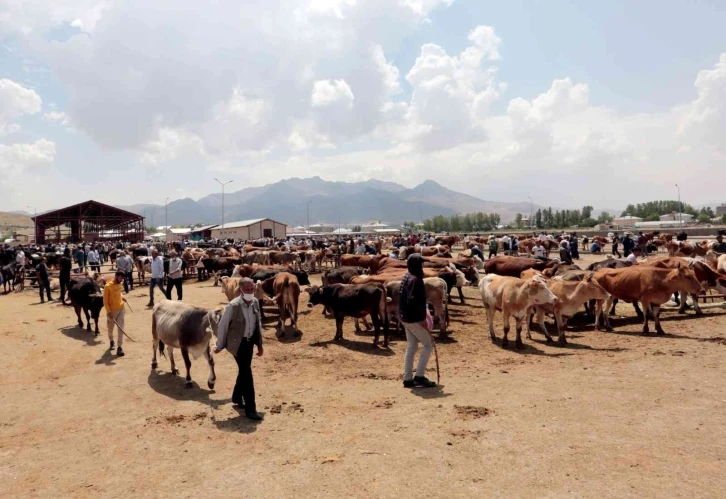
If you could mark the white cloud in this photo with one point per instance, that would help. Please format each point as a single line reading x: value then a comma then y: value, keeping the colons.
x: 327, y: 92
x: 56, y: 117
x: 16, y: 159
x: 15, y: 101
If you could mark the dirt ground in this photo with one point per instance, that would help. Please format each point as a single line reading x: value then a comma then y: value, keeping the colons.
x: 610, y: 415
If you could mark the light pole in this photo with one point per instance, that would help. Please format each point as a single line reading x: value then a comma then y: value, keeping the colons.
x: 530, y: 212
x: 223, y: 184
x: 35, y: 223
x: 680, y: 208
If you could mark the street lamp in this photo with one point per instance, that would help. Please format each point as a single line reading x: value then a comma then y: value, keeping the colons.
x: 680, y: 208
x: 223, y: 184
x: 530, y: 212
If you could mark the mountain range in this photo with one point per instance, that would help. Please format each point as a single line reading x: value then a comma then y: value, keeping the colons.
x: 291, y: 200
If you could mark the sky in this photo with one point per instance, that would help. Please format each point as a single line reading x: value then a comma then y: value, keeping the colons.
x: 570, y: 103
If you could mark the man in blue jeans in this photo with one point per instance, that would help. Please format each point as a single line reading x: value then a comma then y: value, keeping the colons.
x: 157, y: 275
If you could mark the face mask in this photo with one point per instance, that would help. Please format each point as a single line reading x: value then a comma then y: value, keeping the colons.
x: 247, y: 296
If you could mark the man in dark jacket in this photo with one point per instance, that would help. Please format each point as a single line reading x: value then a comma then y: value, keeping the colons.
x: 65, y: 274
x: 43, y: 276
x: 628, y: 245
x: 412, y: 314
x: 239, y: 329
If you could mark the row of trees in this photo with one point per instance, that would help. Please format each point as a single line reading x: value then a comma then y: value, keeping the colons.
x: 560, y: 219
x: 471, y: 222
x: 652, y: 211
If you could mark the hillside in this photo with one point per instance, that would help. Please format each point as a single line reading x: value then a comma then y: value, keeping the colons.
x: 346, y: 203
x: 14, y: 220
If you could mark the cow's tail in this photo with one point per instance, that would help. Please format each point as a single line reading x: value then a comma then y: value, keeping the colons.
x: 382, y: 309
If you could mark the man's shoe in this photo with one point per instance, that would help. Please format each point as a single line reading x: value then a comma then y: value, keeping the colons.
x: 150, y: 304
x: 120, y: 352
x: 113, y: 345
x: 42, y: 301
x: 408, y: 383
x: 254, y: 416
x: 423, y: 382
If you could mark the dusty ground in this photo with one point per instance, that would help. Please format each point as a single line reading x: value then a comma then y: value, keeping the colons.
x: 611, y: 414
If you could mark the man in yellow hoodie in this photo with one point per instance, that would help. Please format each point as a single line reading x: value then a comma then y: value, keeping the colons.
x: 113, y: 302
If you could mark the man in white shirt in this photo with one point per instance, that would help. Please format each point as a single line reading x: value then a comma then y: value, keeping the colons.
x: 360, y: 249
x: 174, y: 279
x: 20, y: 257
x: 125, y: 264
x: 157, y: 275
x: 539, y: 251
x: 92, y: 258
x: 633, y: 257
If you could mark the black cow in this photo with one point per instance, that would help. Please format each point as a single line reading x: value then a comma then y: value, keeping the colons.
x: 353, y: 300
x: 141, y: 252
x: 610, y: 263
x: 264, y: 274
x: 9, y: 274
x: 86, y: 294
x: 341, y: 275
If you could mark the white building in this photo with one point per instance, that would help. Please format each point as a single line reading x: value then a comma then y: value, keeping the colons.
x: 373, y: 226
x: 677, y: 217
x: 320, y: 228
x: 627, y: 221
x: 177, y: 235
x: 342, y: 230
x: 249, y: 230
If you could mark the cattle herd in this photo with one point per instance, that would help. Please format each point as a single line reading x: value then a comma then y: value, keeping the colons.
x: 366, y: 284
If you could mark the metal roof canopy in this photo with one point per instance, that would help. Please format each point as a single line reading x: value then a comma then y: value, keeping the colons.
x: 88, y: 221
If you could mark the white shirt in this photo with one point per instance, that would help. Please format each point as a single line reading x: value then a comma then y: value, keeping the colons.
x: 538, y: 251
x: 157, y: 268
x: 360, y: 250
x: 20, y: 257
x: 175, y: 265
x: 92, y: 256
x: 632, y: 259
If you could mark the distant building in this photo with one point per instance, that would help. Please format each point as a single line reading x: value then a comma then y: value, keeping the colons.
x: 627, y: 221
x: 320, y: 228
x: 721, y: 210
x: 676, y: 217
x: 177, y: 235
x: 248, y: 230
x: 373, y: 226
x: 663, y: 224
x: 204, y: 232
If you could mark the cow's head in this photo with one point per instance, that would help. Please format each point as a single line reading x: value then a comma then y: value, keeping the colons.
x: 95, y: 304
x: 317, y: 295
x: 214, y: 316
x: 690, y: 282
x: 539, y: 293
x: 592, y: 288
x: 472, y: 275
x: 302, y: 277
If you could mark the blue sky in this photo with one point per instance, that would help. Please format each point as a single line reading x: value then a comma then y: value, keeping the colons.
x: 605, y: 103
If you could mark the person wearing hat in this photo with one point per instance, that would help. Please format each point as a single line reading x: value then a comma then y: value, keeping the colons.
x: 720, y: 246
x: 633, y: 256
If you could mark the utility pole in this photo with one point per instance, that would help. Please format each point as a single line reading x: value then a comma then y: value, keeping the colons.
x: 223, y: 184
x: 680, y: 208
x: 530, y: 212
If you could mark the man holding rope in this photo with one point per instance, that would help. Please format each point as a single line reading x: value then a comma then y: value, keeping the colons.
x: 412, y: 313
x: 113, y: 302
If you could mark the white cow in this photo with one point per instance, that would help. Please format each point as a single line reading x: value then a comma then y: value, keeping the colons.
x: 178, y: 325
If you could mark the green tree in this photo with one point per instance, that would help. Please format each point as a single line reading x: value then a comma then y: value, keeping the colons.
x: 704, y: 218
x: 455, y: 223
x: 723, y: 218
x: 538, y: 219
x: 654, y: 217
x: 518, y: 221
x: 587, y: 211
x: 356, y: 228
x: 428, y: 225
x: 604, y: 217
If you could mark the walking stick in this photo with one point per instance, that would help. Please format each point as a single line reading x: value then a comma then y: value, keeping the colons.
x: 129, y: 305
x: 121, y: 329
x: 436, y: 356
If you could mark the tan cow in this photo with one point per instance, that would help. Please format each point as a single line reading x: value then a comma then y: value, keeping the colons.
x: 571, y: 296
x: 651, y: 285
x: 513, y: 296
x: 285, y: 289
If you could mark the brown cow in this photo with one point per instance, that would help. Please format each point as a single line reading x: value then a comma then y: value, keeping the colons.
x: 651, y: 285
x: 513, y: 266
x: 513, y: 297
x: 285, y: 289
x: 571, y: 295
x: 369, y: 262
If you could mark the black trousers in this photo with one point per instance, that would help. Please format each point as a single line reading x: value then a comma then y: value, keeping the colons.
x: 95, y: 267
x: 616, y: 252
x: 244, y: 388
x: 174, y: 283
x: 44, y: 284
x: 492, y: 253
x: 128, y: 281
x: 65, y: 284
